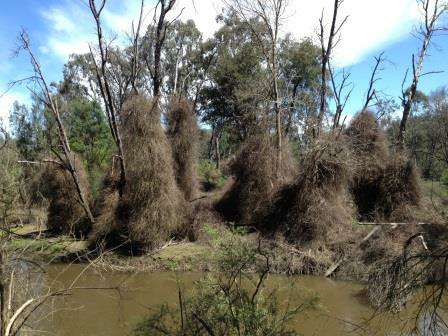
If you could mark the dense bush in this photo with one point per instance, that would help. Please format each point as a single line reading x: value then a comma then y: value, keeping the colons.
x: 258, y: 176
x: 316, y: 206
x: 183, y: 134
x: 65, y: 212
x: 211, y: 176
x: 444, y: 178
x: 9, y: 181
x: 152, y: 209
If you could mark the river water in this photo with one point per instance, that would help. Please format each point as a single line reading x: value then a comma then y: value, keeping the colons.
x: 341, y: 310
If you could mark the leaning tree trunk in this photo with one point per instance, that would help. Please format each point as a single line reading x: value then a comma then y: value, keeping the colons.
x: 432, y: 14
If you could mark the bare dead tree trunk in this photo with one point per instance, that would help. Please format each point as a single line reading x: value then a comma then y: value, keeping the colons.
x: 159, y: 38
x: 68, y: 162
x: 271, y: 13
x: 278, y: 114
x: 3, y: 295
x: 176, y: 74
x: 213, y: 151
x: 105, y: 87
x: 136, y: 49
x: 433, y: 10
x: 326, y: 50
x: 339, y: 96
x: 5, y: 137
x: 371, y: 92
x: 217, y: 152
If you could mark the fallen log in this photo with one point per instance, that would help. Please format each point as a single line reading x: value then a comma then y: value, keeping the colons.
x: 338, y: 263
x: 392, y: 224
x: 378, y: 227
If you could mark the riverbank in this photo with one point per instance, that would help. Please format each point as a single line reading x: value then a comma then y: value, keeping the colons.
x: 185, y: 256
x: 362, y: 248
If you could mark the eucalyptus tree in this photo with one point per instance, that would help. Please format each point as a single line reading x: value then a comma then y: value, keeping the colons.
x: 182, y: 46
x: 299, y: 65
x: 264, y: 19
x: 233, y: 97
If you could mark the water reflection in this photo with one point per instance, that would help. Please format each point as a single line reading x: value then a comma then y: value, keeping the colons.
x: 341, y: 311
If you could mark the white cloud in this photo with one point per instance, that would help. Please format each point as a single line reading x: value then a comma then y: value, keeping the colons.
x: 64, y: 48
x: 203, y: 12
x: 371, y: 24
x: 59, y: 20
x: 70, y: 30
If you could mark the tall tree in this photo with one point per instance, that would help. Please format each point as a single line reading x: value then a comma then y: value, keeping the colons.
x: 66, y: 158
x: 232, y: 95
x: 299, y: 79
x: 271, y: 14
x: 104, y: 78
x: 158, y: 36
x: 88, y: 133
x: 27, y: 126
x: 327, y: 46
x: 433, y: 12
x: 182, y: 48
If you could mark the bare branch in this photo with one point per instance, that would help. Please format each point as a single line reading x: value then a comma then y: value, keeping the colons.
x: 341, y: 98
x: 268, y: 15
x: 427, y: 30
x: 159, y: 37
x: 105, y: 88
x: 51, y: 103
x: 326, y: 52
x: 371, y: 92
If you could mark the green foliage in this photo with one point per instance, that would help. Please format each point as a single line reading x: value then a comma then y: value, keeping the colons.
x: 427, y: 133
x: 211, y: 232
x: 183, y: 57
x: 230, y: 98
x: 88, y: 132
x: 300, y: 63
x: 444, y: 178
x: 211, y: 176
x: 27, y: 127
x: 10, y: 181
x: 230, y: 301
x: 79, y: 78
x: 89, y: 136
x: 300, y: 71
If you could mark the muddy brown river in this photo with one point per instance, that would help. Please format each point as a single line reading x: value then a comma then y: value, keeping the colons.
x: 341, y: 311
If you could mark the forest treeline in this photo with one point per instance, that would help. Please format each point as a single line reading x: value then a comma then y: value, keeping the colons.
x: 243, y: 83
x: 117, y: 144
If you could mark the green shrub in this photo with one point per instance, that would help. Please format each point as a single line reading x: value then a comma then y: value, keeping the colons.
x: 10, y: 180
x: 444, y: 178
x: 211, y: 176
x: 230, y: 301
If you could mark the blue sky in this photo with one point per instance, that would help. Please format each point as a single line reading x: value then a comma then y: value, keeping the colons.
x: 399, y: 59
x: 60, y: 27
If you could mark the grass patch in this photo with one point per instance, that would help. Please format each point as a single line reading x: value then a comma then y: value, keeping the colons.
x: 435, y: 188
x: 185, y: 256
x: 436, y: 191
x: 48, y: 246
